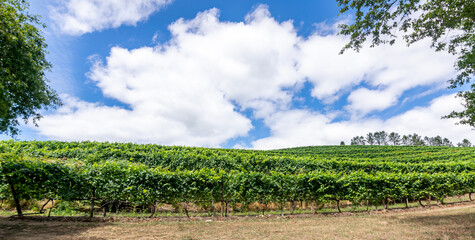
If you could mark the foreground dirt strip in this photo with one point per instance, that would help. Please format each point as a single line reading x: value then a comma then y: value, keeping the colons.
x: 446, y: 222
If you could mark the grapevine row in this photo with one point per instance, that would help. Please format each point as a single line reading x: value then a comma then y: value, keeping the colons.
x: 181, y: 158
x: 26, y: 179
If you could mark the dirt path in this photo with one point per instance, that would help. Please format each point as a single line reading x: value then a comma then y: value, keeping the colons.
x: 448, y: 222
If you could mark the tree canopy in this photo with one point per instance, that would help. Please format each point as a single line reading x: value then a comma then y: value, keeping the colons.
x: 448, y: 23
x: 24, y: 89
x: 393, y: 138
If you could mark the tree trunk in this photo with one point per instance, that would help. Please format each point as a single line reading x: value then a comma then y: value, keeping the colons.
x: 15, y: 197
x: 117, y: 209
x: 222, y: 199
x: 226, y: 209
x: 104, y: 208
x: 212, y: 208
x: 292, y: 207
x: 186, y: 210
x: 153, y: 210
x: 114, y: 206
x: 385, y: 203
x: 91, y: 214
x: 407, y: 202
x: 222, y: 208
x: 420, y: 203
x: 52, y: 205
x: 367, y: 205
x: 282, y: 208
x: 470, y: 196
x: 105, y: 212
x: 44, y: 205
x: 338, y: 205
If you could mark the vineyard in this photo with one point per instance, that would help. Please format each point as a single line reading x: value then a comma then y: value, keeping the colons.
x: 105, y: 174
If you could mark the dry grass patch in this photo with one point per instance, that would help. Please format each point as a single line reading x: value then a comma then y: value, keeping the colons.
x: 456, y: 222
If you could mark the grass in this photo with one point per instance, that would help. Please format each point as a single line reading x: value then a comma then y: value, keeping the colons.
x: 444, y: 222
x: 72, y: 209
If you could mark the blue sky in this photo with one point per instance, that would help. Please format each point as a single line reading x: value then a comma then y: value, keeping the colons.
x: 245, y: 74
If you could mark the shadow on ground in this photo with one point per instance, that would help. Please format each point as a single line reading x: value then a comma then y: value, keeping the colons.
x: 46, y: 228
x: 457, y: 225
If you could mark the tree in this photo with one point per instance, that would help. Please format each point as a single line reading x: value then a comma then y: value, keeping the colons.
x: 416, y: 140
x: 447, y: 142
x: 449, y: 24
x: 362, y: 140
x: 464, y: 143
x: 358, y: 140
x: 406, y: 140
x: 466, y: 116
x: 383, y: 137
x: 377, y: 138
x: 434, y: 141
x: 370, y: 138
x: 23, y: 86
x: 394, y: 138
x: 428, y: 141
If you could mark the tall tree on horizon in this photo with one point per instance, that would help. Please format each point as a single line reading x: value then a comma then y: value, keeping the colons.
x: 370, y: 139
x: 394, y: 138
x: 464, y: 143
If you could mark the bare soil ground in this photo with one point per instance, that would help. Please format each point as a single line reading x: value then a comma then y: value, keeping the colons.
x: 456, y: 221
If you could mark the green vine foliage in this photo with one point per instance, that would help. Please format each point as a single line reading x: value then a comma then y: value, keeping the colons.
x: 227, y: 176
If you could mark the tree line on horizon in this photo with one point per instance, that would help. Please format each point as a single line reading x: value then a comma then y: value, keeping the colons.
x: 396, y: 139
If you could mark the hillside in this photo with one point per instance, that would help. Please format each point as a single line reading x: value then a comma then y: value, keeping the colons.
x: 145, y: 175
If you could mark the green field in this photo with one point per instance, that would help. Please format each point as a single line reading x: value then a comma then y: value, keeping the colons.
x: 107, y: 175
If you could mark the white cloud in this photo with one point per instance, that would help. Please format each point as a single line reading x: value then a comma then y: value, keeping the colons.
x: 181, y: 123
x: 304, y: 128
x: 181, y: 92
x: 389, y: 69
x: 188, y: 91
x: 77, y: 17
x: 328, y: 71
x: 363, y: 100
x: 244, y: 60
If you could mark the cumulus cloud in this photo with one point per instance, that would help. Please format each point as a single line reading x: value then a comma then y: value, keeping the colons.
x: 182, y: 92
x: 363, y: 100
x: 76, y: 17
x: 193, y: 89
x: 387, y: 70
x: 305, y: 128
x: 181, y: 123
